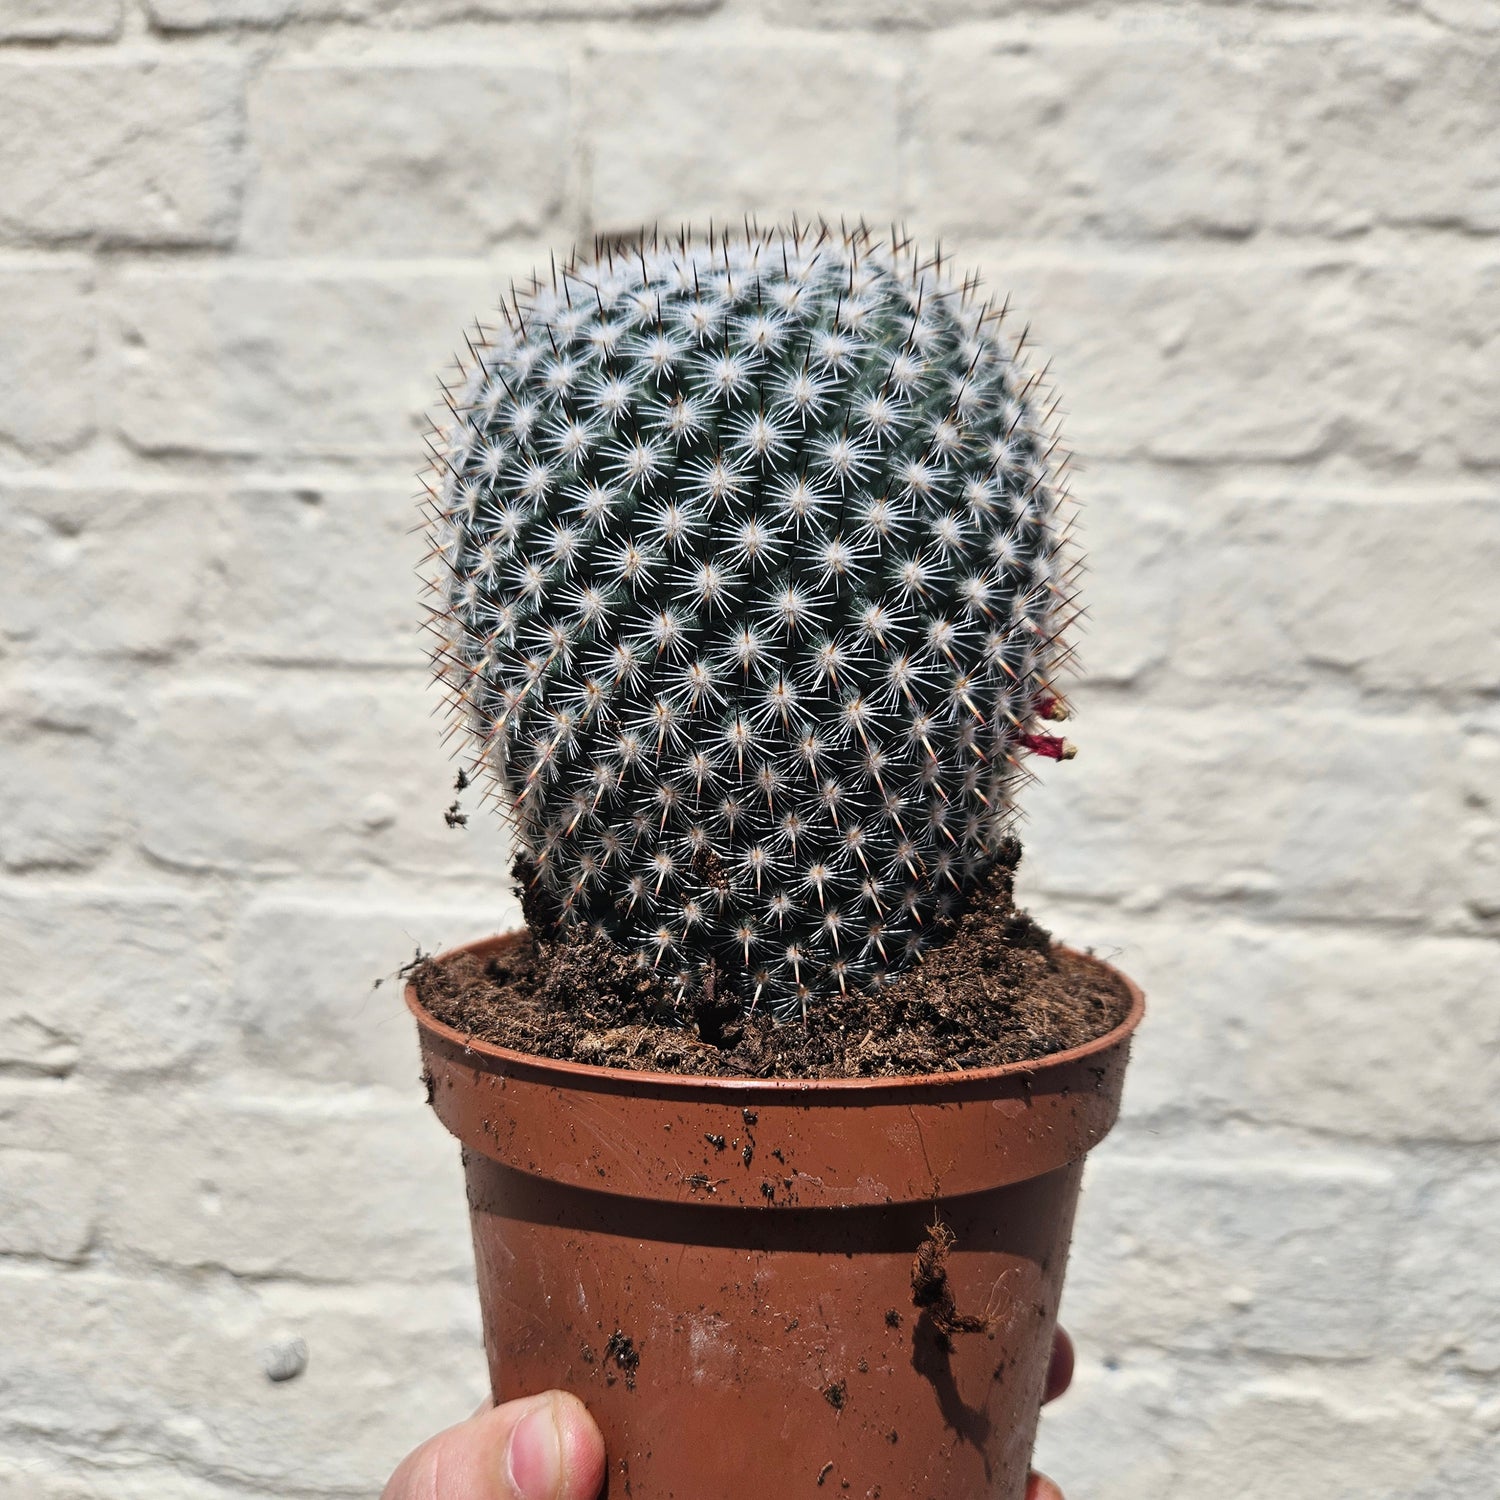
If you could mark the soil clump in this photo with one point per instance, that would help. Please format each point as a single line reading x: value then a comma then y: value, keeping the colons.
x: 991, y: 989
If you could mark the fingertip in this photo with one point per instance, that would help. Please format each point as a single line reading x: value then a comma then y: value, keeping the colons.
x: 543, y: 1447
x: 1039, y: 1487
x: 533, y: 1466
x: 1060, y: 1366
x: 582, y: 1447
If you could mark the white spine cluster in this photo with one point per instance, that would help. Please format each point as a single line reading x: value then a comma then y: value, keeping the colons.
x: 748, y: 589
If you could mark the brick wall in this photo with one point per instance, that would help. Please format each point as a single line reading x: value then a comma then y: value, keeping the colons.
x: 238, y: 237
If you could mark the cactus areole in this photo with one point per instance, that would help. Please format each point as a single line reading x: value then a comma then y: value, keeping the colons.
x: 749, y: 582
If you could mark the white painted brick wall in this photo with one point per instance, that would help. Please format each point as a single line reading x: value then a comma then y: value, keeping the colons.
x: 238, y: 238
x: 128, y: 150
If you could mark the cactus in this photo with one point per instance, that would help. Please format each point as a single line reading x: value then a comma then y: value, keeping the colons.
x: 749, y: 569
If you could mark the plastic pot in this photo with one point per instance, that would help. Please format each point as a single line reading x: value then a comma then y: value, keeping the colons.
x: 775, y: 1287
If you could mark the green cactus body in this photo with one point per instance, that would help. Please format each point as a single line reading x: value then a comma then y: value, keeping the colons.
x: 750, y: 575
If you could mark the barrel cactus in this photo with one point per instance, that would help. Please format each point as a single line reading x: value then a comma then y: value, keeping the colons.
x: 749, y: 582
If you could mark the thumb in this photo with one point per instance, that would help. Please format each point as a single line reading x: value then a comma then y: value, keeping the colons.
x: 541, y: 1448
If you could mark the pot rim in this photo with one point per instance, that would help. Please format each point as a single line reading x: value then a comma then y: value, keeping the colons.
x: 563, y: 1073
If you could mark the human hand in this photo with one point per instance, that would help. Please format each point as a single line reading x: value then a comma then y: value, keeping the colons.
x: 548, y: 1448
x: 538, y: 1448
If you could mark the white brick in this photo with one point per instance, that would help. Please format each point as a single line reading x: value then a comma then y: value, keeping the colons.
x: 892, y: 14
x: 38, y: 1479
x: 1468, y: 1465
x: 1446, y: 1290
x: 1130, y: 529
x: 1474, y: 381
x: 120, y: 983
x: 1116, y: 1431
x: 1184, y: 366
x: 288, y: 364
x: 326, y: 1187
x: 81, y: 568
x: 59, y: 805
x: 1284, y: 1435
x: 688, y: 133
x: 1395, y: 316
x: 1234, y: 358
x: 305, y: 773
x: 1480, y: 769
x: 1318, y: 814
x: 1482, y: 884
x: 1143, y: 1426
x: 313, y: 572
x: 425, y: 11
x: 852, y: 13
x: 1385, y: 129
x: 1219, y: 1253
x: 1126, y: 137
x: 49, y: 1193
x: 202, y: 15
x: 56, y: 20
x: 1482, y: 16
x: 1394, y: 590
x: 173, y: 1370
x: 305, y: 998
x: 319, y: 572
x: 213, y: 15
x: 445, y: 158
x: 1129, y: 23
x: 49, y: 325
x: 1346, y: 1033
x: 139, y: 152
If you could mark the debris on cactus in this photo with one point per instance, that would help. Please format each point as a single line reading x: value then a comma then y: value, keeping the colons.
x: 749, y: 588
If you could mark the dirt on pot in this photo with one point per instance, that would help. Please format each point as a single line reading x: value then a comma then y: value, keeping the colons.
x: 991, y: 989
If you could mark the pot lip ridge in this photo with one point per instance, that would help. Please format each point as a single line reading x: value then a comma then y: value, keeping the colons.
x: 563, y: 1073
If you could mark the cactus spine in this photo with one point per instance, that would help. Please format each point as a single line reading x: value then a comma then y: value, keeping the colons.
x: 748, y: 581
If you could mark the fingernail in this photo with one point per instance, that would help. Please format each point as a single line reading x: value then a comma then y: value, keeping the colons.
x: 535, y: 1457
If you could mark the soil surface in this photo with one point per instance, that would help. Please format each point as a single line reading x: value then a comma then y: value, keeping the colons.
x: 991, y: 989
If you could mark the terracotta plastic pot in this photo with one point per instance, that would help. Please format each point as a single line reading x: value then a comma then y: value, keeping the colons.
x: 743, y: 1280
